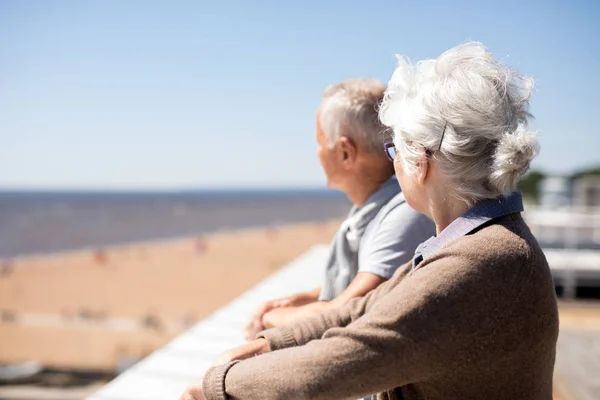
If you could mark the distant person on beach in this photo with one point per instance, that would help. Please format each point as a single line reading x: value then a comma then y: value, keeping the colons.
x: 474, y: 314
x: 380, y: 233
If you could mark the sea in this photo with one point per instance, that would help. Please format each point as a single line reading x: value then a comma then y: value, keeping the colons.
x: 49, y: 222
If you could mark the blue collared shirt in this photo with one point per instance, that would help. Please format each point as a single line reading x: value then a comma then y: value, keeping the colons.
x: 479, y: 214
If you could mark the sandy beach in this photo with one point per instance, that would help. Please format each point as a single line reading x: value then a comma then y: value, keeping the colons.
x: 95, y: 308
x: 103, y: 309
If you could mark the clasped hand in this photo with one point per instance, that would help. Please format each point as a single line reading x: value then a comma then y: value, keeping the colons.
x: 250, y: 349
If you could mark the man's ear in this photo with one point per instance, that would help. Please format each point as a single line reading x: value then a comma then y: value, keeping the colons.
x: 347, y: 151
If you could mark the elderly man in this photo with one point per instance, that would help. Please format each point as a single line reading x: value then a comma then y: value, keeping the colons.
x: 381, y: 231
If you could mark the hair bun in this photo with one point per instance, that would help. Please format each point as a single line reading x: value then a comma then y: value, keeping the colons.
x: 514, y: 153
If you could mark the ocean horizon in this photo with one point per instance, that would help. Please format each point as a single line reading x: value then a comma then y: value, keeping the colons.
x: 38, y: 221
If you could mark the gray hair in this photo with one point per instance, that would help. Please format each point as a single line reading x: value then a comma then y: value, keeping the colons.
x: 350, y: 108
x: 479, y: 108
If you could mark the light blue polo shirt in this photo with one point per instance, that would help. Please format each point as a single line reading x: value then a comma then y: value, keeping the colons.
x: 388, y: 242
x: 391, y: 239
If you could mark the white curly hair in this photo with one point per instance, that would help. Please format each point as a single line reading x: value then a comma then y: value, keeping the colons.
x: 469, y: 113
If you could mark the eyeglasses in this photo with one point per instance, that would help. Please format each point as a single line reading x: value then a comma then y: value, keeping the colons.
x: 390, y: 150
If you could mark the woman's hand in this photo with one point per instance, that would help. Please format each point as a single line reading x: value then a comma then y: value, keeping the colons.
x: 193, y: 392
x: 250, y: 349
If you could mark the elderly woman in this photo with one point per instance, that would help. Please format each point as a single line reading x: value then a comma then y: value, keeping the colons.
x: 474, y: 315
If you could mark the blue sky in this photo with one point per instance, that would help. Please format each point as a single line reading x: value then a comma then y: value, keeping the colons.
x: 193, y: 94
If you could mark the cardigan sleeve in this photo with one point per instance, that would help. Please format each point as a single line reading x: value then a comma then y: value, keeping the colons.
x: 406, y: 336
x: 313, y: 327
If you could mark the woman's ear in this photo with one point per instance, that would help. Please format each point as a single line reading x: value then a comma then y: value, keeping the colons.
x: 422, y: 170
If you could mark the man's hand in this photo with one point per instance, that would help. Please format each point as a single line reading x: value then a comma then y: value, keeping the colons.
x: 279, y: 316
x: 193, y: 392
x: 283, y: 316
x: 255, y: 324
x: 256, y: 321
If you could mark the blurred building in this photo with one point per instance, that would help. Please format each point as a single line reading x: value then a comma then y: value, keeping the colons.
x: 586, y: 192
x: 562, y: 191
x: 555, y: 192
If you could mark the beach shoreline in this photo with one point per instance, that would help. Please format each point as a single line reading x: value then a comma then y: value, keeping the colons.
x: 159, y: 240
x: 65, y: 309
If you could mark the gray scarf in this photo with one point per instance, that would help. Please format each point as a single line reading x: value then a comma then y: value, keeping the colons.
x: 342, y: 265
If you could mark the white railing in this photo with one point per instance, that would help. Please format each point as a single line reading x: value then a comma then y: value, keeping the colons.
x: 571, y: 241
x: 165, y: 373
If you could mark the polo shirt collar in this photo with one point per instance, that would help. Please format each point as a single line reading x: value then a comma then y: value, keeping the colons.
x: 391, y: 186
